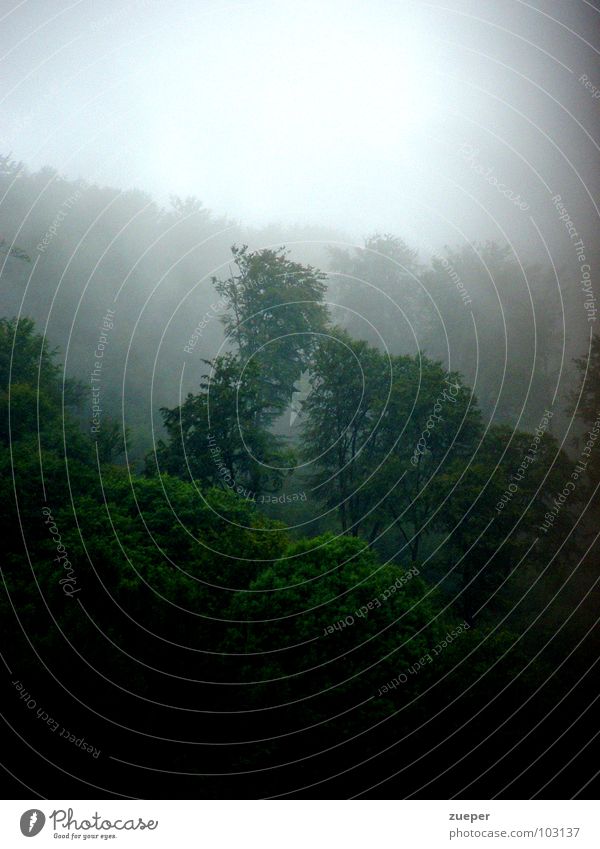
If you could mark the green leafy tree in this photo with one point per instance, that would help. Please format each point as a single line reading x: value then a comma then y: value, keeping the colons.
x: 27, y: 359
x: 218, y: 436
x: 378, y: 430
x: 585, y: 405
x: 274, y: 309
x: 518, y: 305
x: 377, y: 292
x: 347, y: 380
x: 331, y: 597
x: 34, y: 428
x: 494, y: 510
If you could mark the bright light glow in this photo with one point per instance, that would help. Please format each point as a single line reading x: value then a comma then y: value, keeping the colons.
x: 285, y: 96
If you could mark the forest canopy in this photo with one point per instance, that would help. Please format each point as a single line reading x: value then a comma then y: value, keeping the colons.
x: 265, y: 494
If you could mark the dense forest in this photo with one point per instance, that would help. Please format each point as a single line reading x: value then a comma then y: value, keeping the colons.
x: 284, y: 515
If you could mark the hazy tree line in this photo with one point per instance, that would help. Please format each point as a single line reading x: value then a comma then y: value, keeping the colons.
x: 94, y: 243
x: 231, y: 561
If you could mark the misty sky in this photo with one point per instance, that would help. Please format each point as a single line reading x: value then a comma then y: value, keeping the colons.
x: 344, y: 114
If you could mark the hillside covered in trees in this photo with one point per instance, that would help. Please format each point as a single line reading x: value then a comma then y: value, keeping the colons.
x: 314, y: 520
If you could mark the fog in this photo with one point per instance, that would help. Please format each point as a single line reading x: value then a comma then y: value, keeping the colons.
x: 346, y: 115
x: 316, y: 126
x: 300, y: 395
